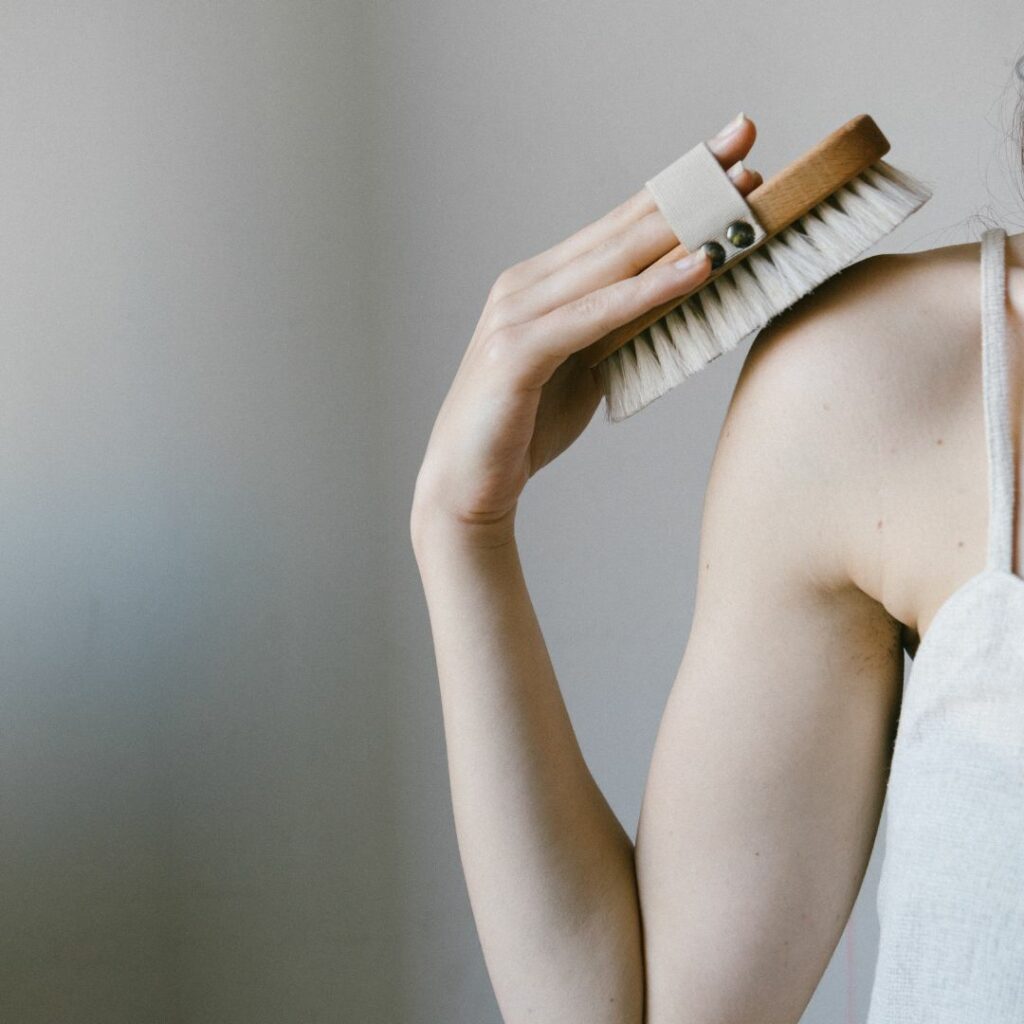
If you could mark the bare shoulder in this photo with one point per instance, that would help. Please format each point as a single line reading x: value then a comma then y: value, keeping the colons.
x: 800, y: 436
x: 856, y: 347
x: 854, y: 395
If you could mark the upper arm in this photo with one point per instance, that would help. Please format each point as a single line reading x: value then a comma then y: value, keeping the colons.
x: 770, y: 766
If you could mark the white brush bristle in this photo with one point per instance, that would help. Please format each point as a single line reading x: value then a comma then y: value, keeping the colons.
x: 744, y: 298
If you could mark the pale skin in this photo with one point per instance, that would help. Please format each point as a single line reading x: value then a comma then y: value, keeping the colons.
x: 846, y: 500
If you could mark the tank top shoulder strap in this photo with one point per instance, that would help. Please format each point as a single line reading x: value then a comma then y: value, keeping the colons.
x: 996, y: 391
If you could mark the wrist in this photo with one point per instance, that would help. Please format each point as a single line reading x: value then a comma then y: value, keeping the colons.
x: 434, y: 530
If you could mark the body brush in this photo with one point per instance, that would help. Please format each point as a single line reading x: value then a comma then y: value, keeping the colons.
x: 767, y: 249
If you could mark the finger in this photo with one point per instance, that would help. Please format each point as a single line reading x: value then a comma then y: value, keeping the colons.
x: 735, y: 145
x: 539, y: 347
x: 648, y: 240
x: 618, y: 256
x: 727, y: 147
x: 744, y: 178
x: 750, y: 180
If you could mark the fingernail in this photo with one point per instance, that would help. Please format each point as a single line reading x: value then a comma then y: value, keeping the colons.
x: 736, y: 170
x: 691, y: 260
x: 731, y: 127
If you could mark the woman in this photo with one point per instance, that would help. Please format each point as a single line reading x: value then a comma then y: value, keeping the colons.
x: 771, y: 763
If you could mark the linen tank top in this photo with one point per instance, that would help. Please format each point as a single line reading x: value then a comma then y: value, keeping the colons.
x: 950, y: 898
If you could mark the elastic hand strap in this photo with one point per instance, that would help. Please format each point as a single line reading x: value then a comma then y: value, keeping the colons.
x: 701, y: 204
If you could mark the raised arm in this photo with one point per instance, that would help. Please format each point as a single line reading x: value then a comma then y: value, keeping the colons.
x: 770, y: 765
x: 548, y: 867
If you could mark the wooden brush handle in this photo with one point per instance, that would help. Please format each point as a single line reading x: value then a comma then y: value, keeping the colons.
x: 777, y: 202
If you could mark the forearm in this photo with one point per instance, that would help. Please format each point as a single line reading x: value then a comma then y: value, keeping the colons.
x: 548, y: 867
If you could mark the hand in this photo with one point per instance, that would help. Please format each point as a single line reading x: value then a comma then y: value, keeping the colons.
x: 521, y: 394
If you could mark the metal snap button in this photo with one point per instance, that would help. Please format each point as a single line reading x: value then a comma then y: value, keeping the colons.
x: 716, y: 253
x: 740, y: 233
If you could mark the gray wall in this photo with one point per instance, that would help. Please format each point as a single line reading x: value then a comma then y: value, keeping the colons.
x: 242, y: 248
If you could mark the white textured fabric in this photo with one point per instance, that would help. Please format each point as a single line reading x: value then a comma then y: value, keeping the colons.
x: 951, y: 891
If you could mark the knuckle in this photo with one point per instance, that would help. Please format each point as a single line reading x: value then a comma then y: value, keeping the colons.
x: 593, y: 305
x: 499, y: 315
x: 506, y: 282
x: 499, y: 344
x: 497, y: 291
x: 646, y: 290
x: 609, y: 249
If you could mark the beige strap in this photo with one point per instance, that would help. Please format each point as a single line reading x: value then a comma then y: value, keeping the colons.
x: 996, y: 391
x: 700, y: 202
